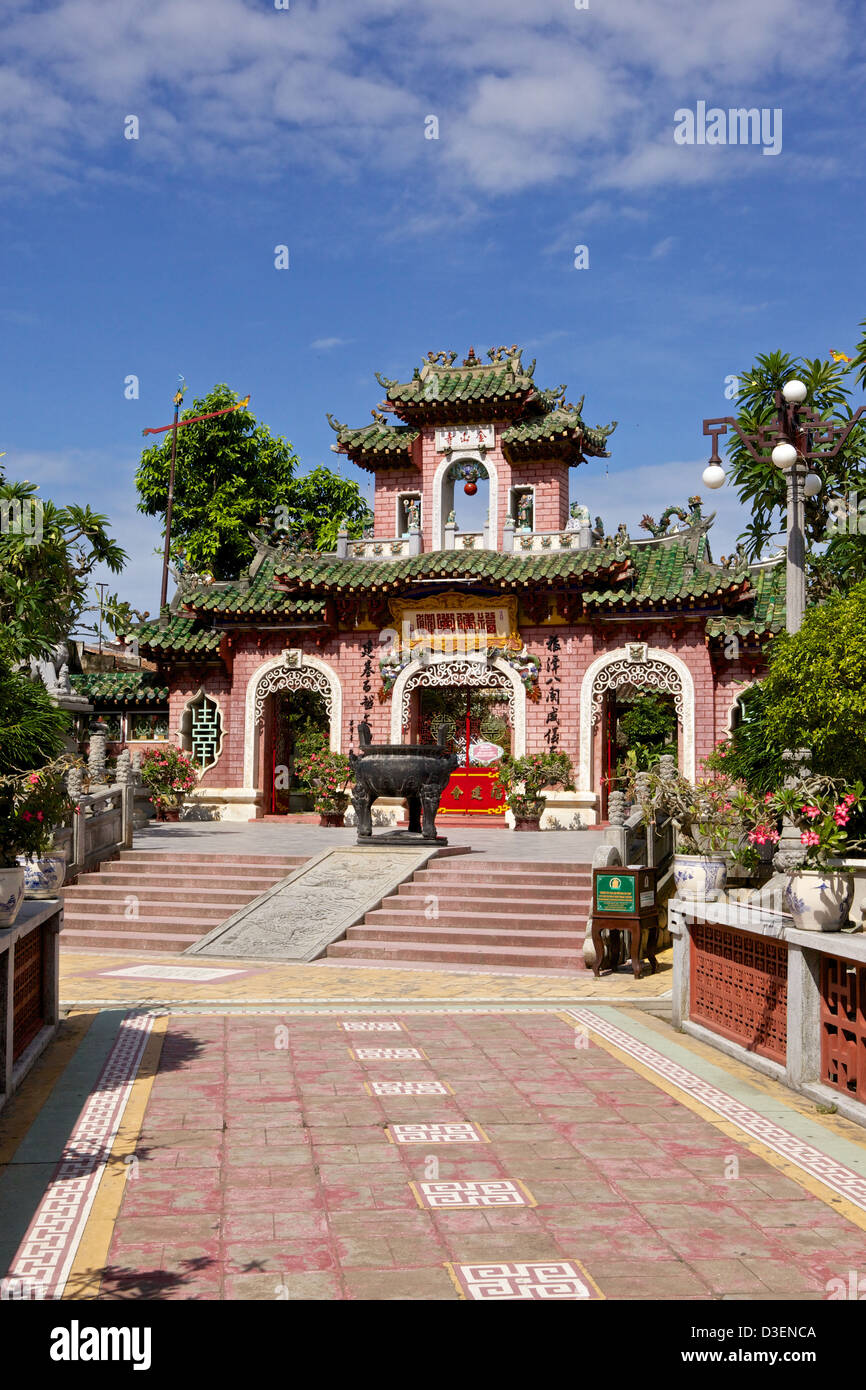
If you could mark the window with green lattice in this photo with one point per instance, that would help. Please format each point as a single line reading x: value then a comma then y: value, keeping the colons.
x: 201, y: 730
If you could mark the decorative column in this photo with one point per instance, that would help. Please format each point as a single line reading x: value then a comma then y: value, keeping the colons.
x: 96, y: 757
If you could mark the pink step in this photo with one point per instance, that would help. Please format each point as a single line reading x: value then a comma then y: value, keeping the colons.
x: 435, y: 934
x: 127, y: 941
x: 491, y: 956
x: 507, y: 921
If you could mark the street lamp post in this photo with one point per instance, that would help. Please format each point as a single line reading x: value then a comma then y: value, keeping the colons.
x: 796, y: 439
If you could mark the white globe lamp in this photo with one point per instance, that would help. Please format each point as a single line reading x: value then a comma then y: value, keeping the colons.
x: 794, y: 392
x: 713, y: 476
x: 784, y: 455
x: 812, y: 484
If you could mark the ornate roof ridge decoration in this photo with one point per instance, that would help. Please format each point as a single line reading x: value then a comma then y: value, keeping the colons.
x: 539, y: 423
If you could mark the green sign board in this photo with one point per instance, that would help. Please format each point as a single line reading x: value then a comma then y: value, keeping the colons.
x: 616, y: 892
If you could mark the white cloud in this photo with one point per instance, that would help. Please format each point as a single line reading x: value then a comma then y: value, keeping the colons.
x: 326, y: 344
x: 525, y: 95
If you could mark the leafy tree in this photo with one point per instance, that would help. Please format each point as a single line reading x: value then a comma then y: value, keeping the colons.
x: 761, y: 485
x: 232, y: 477
x: 814, y: 696
x: 31, y: 725
x: 647, y: 728
x: 44, y: 580
x: 753, y: 754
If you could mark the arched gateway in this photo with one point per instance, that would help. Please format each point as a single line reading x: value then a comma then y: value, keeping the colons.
x: 534, y: 624
x: 293, y: 670
x: 635, y: 667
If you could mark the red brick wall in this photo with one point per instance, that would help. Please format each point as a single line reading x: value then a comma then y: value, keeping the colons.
x: 580, y: 645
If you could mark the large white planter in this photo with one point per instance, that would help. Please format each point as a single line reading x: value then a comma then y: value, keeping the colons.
x: 702, y: 877
x: 818, y: 899
x: 43, y: 874
x: 11, y: 894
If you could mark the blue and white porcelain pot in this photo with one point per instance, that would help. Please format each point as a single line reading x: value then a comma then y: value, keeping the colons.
x: 819, y: 899
x: 700, y: 876
x: 11, y: 894
x: 43, y: 874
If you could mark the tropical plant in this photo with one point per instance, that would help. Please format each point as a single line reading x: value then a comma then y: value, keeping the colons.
x: 646, y: 729
x: 169, y: 773
x: 44, y: 582
x: 823, y: 818
x: 525, y: 780
x: 32, y: 728
x: 234, y: 477
x: 327, y: 776
x: 712, y: 814
x: 761, y: 486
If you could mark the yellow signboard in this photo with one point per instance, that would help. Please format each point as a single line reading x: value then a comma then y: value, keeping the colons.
x: 457, y: 623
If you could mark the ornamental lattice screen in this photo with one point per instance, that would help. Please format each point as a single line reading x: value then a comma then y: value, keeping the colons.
x: 202, y: 730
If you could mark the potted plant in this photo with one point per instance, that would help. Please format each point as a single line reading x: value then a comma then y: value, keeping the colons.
x: 20, y: 834
x: 44, y: 804
x: 169, y: 773
x: 524, y: 781
x: 709, y: 816
x: 328, y: 777
x: 817, y: 892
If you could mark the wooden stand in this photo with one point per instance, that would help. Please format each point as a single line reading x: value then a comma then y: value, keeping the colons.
x: 624, y: 899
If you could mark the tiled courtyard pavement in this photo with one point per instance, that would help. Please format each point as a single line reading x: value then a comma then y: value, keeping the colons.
x: 266, y: 1168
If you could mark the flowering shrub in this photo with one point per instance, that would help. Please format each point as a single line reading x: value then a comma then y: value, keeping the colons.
x: 328, y: 777
x: 712, y: 813
x: 822, y: 816
x: 169, y: 773
x: 32, y: 805
x: 525, y: 779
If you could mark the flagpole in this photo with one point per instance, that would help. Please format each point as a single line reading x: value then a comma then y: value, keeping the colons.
x: 167, y: 551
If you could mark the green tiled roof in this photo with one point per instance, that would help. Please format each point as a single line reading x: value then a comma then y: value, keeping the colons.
x: 765, y: 615
x: 258, y: 598
x: 121, y: 687
x: 560, y: 430
x: 378, y: 445
x: 182, y: 633
x: 664, y: 575
x: 484, y: 566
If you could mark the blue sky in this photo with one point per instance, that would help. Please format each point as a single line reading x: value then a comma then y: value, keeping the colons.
x: 306, y: 127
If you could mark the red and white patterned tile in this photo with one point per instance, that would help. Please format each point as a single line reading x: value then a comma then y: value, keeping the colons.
x: 456, y: 1133
x: 371, y: 1025
x: 495, y: 1192
x: 564, y: 1279
x: 410, y: 1088
x: 845, y: 1181
x: 48, y: 1250
x: 387, y: 1054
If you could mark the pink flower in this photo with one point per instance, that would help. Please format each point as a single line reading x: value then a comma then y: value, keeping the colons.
x: 810, y: 837
x: 39, y: 815
x: 841, y: 815
x: 811, y: 812
x: 768, y: 798
x: 33, y: 779
x: 849, y: 799
x: 26, y: 815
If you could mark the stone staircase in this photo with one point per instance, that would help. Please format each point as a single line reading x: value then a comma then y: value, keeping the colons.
x: 148, y: 900
x: 509, y: 913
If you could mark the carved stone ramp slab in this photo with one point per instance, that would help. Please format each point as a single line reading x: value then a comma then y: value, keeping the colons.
x: 316, y: 904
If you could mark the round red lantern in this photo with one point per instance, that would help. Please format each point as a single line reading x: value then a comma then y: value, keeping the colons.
x: 470, y: 489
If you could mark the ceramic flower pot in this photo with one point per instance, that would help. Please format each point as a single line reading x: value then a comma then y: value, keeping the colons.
x: 527, y: 822
x: 337, y: 816
x: 11, y: 894
x: 818, y: 900
x: 700, y: 876
x: 43, y: 874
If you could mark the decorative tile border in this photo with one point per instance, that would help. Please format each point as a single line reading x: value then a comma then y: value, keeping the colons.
x: 188, y: 973
x: 493, y: 1192
x: 563, y: 1279
x: 386, y: 1025
x: 845, y: 1181
x: 457, y: 1133
x: 387, y: 1054
x: 408, y: 1088
x: 48, y: 1249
